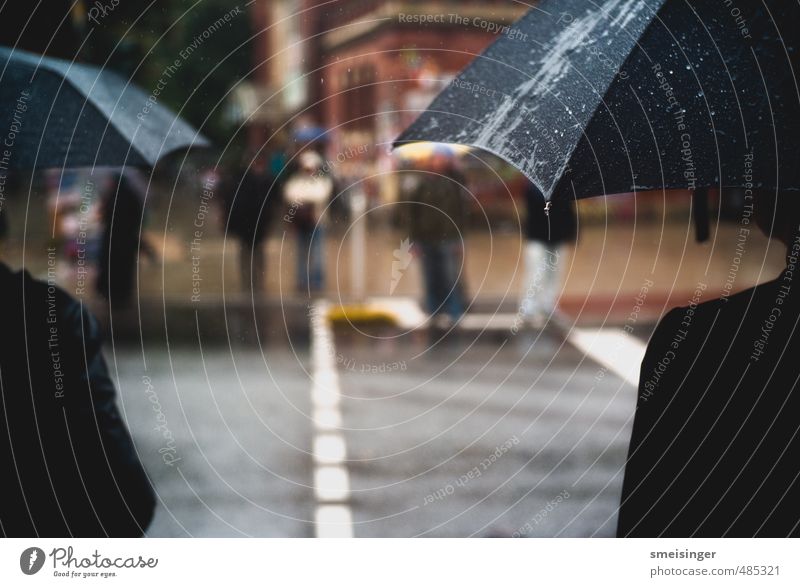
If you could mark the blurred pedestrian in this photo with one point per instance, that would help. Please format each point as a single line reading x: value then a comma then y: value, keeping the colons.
x: 250, y: 208
x: 547, y: 232
x: 307, y: 193
x: 123, y: 241
x: 70, y: 466
x: 715, y: 444
x: 435, y: 218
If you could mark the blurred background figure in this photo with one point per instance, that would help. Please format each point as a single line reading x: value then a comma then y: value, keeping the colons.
x: 249, y: 211
x: 547, y: 233
x: 75, y: 221
x: 435, y: 217
x: 123, y: 239
x: 307, y: 192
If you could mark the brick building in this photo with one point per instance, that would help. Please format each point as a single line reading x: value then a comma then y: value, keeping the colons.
x: 365, y: 68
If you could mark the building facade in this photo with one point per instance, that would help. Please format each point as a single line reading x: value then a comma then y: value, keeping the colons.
x: 364, y: 69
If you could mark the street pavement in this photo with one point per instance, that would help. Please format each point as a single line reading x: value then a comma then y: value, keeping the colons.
x: 479, y: 432
x: 492, y: 435
x: 603, y: 271
x: 482, y: 433
x: 240, y: 464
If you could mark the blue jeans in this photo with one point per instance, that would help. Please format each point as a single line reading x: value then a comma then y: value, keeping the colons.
x: 310, y: 257
x: 442, y: 262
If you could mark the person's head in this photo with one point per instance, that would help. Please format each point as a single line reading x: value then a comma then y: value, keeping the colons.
x: 310, y: 161
x: 777, y: 214
x: 441, y: 159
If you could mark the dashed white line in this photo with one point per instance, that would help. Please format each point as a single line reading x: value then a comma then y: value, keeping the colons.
x: 331, y: 484
x: 332, y: 517
x: 329, y: 449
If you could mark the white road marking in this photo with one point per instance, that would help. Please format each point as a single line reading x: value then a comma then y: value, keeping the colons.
x: 329, y: 449
x: 331, y: 484
x: 494, y: 321
x: 406, y: 311
x: 332, y: 518
x: 327, y: 419
x: 613, y: 348
x: 334, y: 521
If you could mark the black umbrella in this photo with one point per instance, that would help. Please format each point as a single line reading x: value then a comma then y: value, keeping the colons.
x: 62, y: 114
x: 590, y: 98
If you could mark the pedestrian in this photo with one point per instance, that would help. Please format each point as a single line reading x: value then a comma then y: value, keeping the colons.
x: 70, y: 467
x: 435, y: 217
x: 715, y: 444
x: 249, y: 211
x: 307, y: 193
x: 547, y: 233
x: 123, y: 218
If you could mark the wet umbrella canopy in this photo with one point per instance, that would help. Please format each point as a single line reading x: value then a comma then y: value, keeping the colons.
x: 591, y: 98
x: 61, y: 114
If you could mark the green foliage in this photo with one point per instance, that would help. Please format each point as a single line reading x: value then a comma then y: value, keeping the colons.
x: 142, y: 39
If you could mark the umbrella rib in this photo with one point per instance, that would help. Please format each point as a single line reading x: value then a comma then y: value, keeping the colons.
x: 607, y: 87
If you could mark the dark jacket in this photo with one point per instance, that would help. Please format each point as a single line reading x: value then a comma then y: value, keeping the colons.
x: 69, y: 465
x: 715, y: 449
x: 436, y: 211
x: 556, y: 227
x: 122, y: 218
x: 250, y: 205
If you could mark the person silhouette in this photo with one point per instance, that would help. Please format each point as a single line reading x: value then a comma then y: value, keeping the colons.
x: 547, y: 232
x: 307, y: 193
x: 715, y: 444
x: 435, y: 215
x: 69, y: 463
x: 123, y: 208
x: 250, y: 202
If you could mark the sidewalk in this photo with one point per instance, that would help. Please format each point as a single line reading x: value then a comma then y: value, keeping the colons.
x: 613, y: 271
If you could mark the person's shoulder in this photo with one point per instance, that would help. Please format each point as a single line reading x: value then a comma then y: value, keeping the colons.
x: 48, y: 287
x: 687, y: 323
x: 459, y: 177
x: 697, y: 310
x: 718, y: 317
x: 754, y: 295
x: 735, y: 308
x: 71, y: 312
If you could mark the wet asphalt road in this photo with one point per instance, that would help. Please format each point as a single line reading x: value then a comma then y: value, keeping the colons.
x: 490, y: 435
